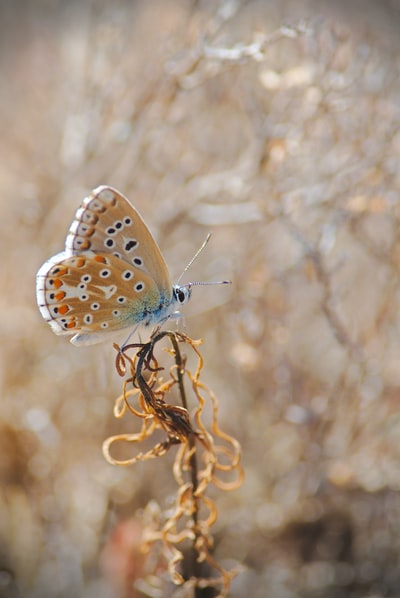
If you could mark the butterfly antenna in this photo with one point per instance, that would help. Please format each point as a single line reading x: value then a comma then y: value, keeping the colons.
x: 196, y: 255
x: 197, y: 283
x: 203, y: 284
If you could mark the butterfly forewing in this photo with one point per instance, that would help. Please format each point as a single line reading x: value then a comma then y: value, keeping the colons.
x: 106, y: 222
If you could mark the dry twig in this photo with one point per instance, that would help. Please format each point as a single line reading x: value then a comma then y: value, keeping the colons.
x: 205, y: 454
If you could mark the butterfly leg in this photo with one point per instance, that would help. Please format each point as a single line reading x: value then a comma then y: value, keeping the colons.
x: 126, y: 341
x: 179, y: 319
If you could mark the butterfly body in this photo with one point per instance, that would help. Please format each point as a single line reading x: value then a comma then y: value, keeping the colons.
x: 111, y: 275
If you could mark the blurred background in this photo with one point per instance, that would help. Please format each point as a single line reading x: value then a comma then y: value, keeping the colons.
x: 286, y: 146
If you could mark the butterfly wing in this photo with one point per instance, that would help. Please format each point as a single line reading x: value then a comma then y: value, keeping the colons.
x: 89, y: 294
x: 107, y: 223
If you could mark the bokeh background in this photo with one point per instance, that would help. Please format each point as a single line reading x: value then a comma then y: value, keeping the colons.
x: 284, y: 143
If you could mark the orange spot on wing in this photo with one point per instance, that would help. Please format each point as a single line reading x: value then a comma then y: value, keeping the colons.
x: 57, y: 283
x: 59, y: 271
x: 63, y: 309
x: 60, y: 295
x: 71, y: 324
x: 80, y: 262
x: 100, y: 258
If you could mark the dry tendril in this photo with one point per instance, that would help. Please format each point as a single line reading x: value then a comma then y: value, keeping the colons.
x: 204, y: 455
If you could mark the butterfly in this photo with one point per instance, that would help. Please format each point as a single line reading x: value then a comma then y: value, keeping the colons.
x: 111, y: 275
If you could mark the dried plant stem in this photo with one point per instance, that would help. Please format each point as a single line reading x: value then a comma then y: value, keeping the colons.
x: 204, y: 454
x: 194, y: 567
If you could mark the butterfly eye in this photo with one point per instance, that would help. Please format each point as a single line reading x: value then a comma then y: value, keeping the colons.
x: 182, y: 294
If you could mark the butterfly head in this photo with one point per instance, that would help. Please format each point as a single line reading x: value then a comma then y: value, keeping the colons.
x: 181, y: 294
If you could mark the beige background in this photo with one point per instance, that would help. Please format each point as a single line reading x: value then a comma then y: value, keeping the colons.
x: 291, y: 158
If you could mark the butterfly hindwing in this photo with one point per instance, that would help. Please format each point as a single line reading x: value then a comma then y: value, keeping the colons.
x: 96, y: 293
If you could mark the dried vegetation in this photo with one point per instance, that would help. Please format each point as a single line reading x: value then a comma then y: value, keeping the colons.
x: 284, y: 141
